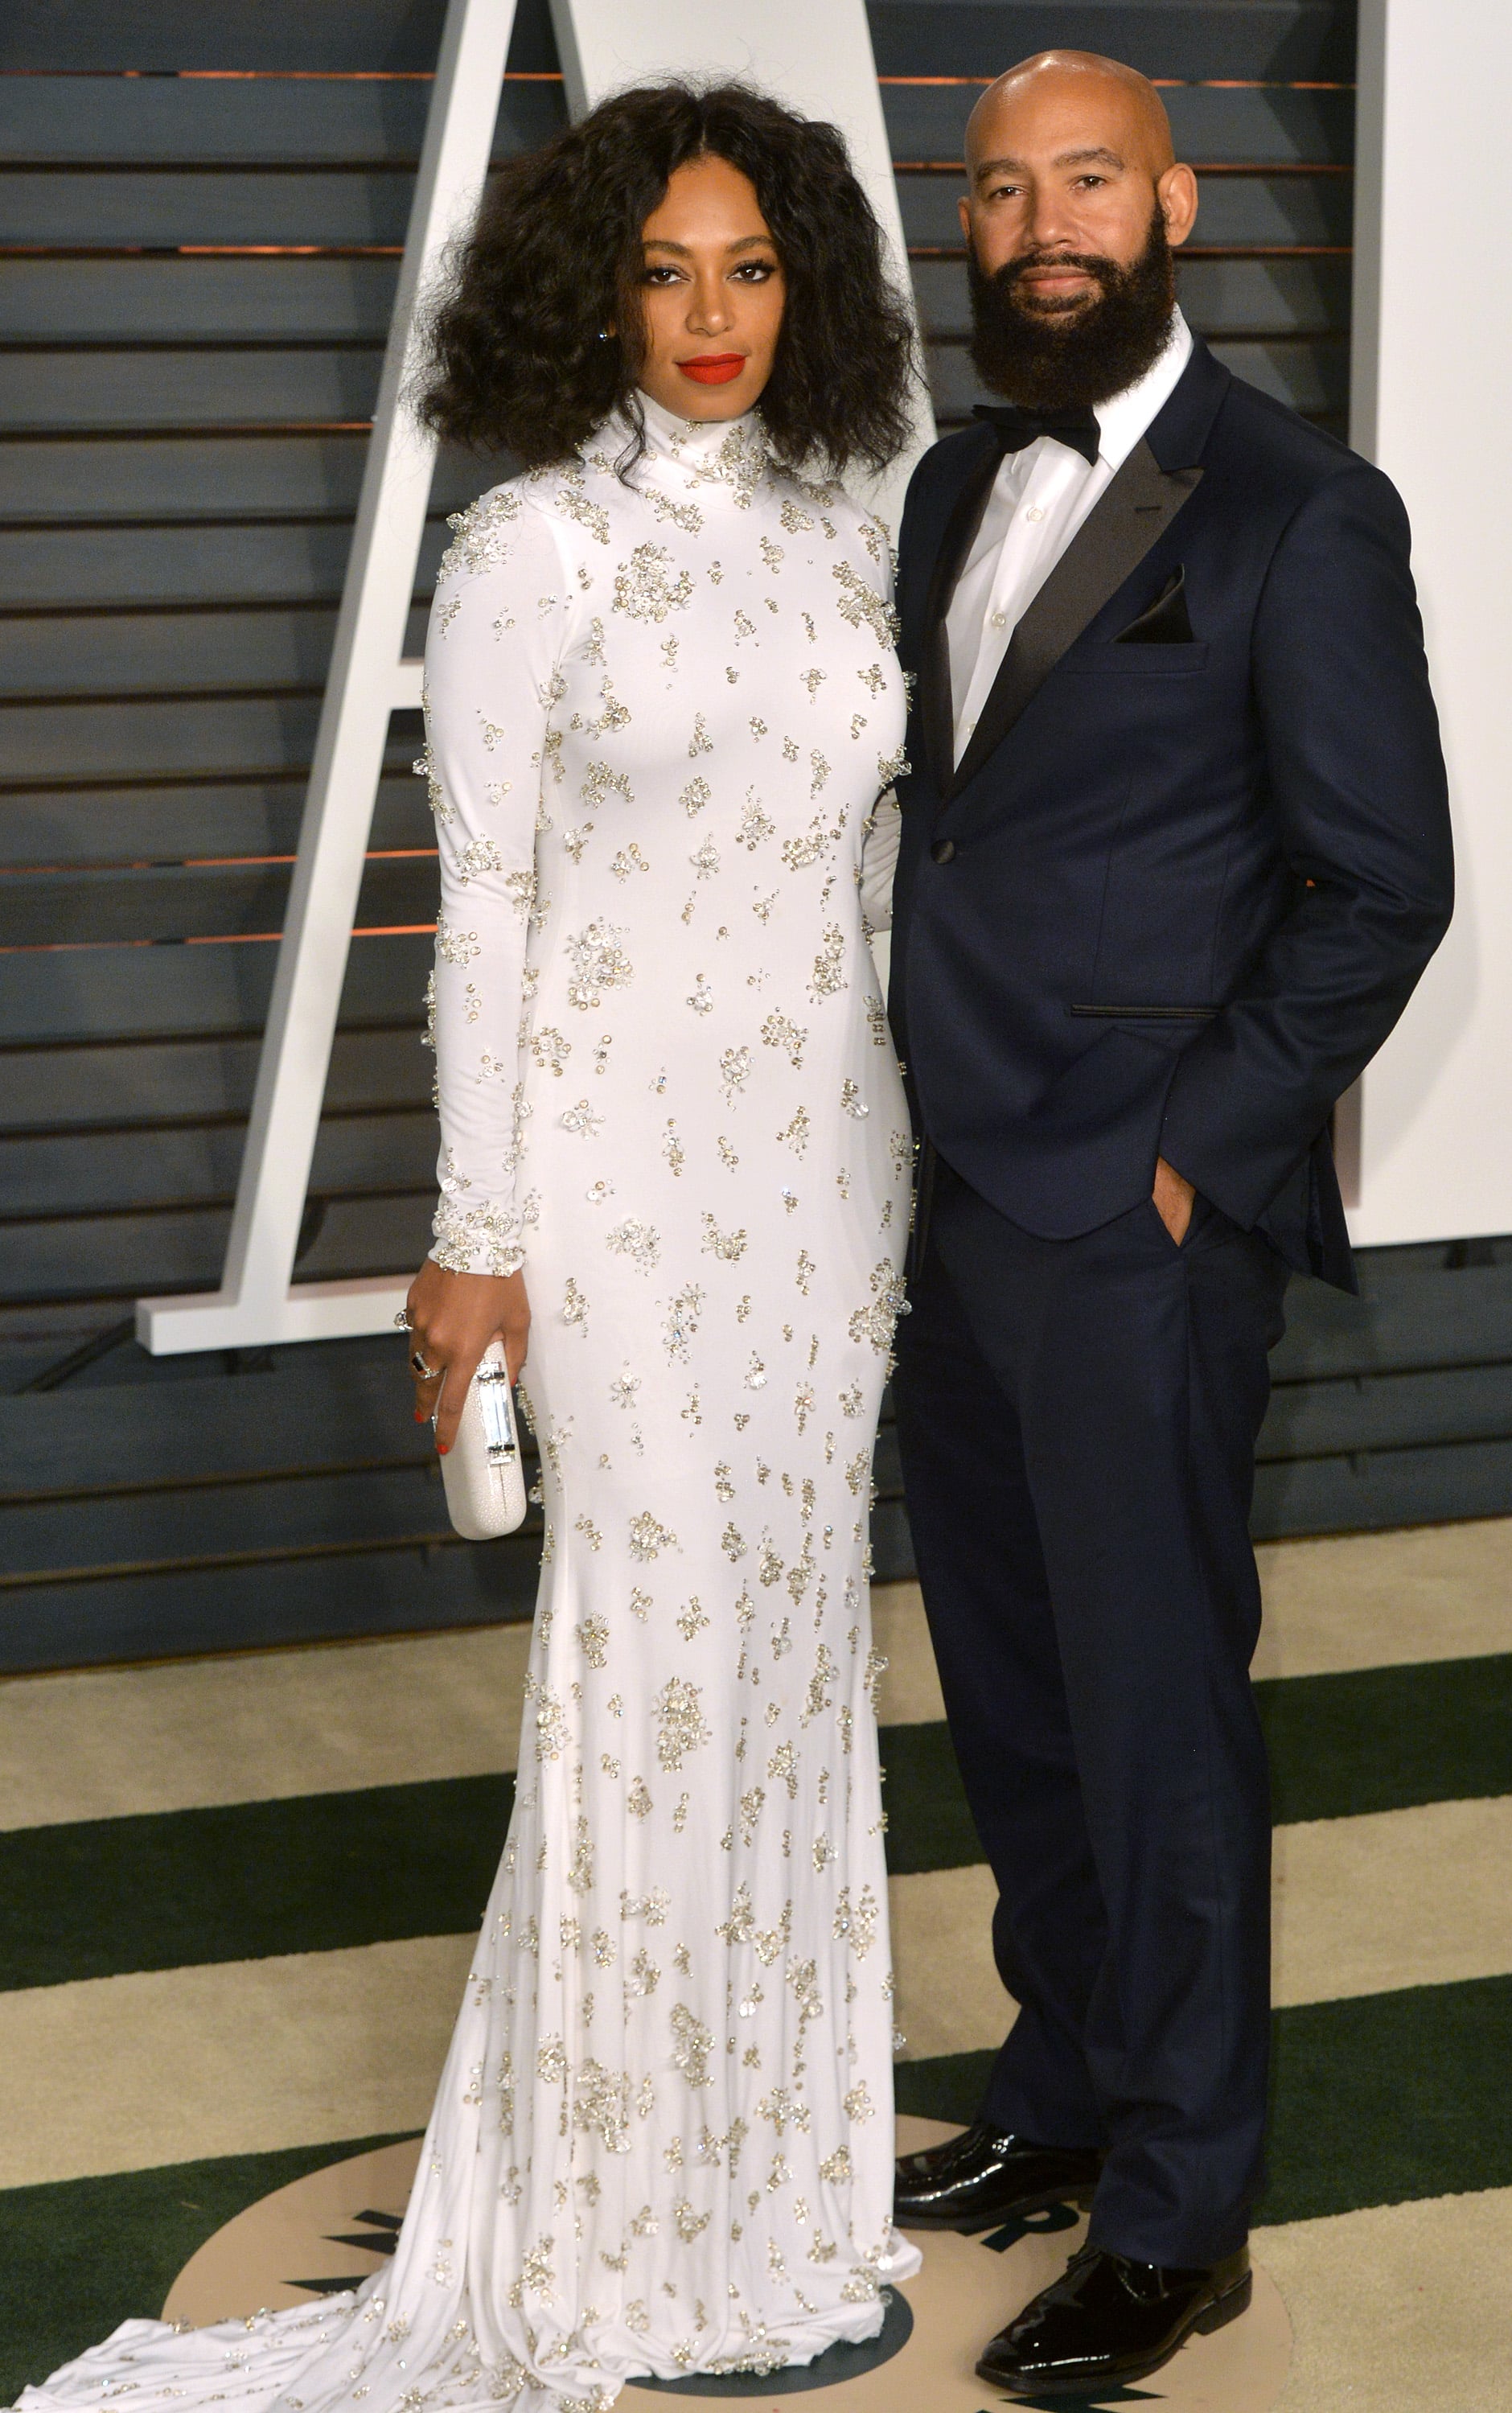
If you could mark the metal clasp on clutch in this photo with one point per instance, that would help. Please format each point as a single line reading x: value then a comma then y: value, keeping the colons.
x: 494, y: 1407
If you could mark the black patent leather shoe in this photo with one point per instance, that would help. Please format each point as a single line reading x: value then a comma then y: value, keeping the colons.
x: 983, y: 2177
x: 1107, y: 2319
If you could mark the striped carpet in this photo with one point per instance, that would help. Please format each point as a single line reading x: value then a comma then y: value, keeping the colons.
x: 237, y: 1899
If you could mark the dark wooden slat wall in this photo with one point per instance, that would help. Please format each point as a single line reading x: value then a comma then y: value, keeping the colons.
x: 1282, y: 39
x: 200, y: 210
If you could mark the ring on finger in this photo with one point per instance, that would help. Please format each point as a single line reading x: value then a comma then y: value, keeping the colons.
x: 426, y: 1373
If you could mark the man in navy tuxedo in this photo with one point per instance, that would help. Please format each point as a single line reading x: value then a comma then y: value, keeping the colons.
x: 1174, y: 852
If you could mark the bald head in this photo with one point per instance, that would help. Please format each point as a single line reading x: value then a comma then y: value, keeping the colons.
x: 1069, y: 154
x: 1061, y: 84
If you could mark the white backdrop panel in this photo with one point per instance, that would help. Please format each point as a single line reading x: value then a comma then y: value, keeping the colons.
x: 1433, y: 368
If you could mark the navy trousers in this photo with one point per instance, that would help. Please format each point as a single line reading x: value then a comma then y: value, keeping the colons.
x: 1077, y: 1421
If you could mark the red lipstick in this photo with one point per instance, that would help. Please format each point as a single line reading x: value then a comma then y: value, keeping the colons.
x: 713, y: 368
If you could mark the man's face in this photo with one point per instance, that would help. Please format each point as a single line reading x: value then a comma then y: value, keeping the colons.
x: 1065, y: 169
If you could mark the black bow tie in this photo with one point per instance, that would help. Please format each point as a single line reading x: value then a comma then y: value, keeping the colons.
x: 1016, y: 428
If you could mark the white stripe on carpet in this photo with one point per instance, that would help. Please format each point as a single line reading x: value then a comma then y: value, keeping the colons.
x: 1406, y: 2308
x: 1386, y: 1600
x: 270, y: 1725
x: 1359, y: 1906
x: 236, y: 2057
x: 259, y: 1726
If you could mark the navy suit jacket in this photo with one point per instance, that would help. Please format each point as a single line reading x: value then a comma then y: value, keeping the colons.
x: 1197, y: 854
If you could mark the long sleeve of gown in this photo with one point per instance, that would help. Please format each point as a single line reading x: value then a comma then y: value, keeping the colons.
x: 492, y: 680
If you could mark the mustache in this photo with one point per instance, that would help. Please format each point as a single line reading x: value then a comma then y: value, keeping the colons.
x: 1095, y: 265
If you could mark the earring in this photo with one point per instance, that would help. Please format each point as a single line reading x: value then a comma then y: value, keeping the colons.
x: 604, y: 336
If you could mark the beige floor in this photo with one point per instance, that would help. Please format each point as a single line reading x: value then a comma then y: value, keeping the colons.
x: 1386, y: 1600
x: 235, y: 2057
x: 265, y: 1725
x: 1404, y: 1898
x: 270, y: 1725
x: 274, y: 1724
x: 1403, y: 2309
x: 1359, y: 1906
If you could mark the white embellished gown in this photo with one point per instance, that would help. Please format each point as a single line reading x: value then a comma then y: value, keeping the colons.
x: 661, y: 713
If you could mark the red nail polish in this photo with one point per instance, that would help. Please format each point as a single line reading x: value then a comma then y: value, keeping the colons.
x: 441, y: 1448
x: 419, y: 1417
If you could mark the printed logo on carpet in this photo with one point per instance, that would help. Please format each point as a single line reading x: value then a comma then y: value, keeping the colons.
x: 330, y: 2230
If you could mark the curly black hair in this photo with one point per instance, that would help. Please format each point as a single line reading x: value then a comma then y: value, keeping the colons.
x: 514, y: 360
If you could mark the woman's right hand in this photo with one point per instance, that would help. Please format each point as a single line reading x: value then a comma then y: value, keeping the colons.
x: 452, y: 1318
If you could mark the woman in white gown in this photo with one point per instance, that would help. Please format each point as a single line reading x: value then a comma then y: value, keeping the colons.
x: 662, y: 703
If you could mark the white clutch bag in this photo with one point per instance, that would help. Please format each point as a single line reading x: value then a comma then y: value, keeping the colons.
x: 481, y: 1471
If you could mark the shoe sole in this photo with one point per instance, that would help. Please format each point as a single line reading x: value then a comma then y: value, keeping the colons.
x: 1216, y: 2315
x: 974, y: 2224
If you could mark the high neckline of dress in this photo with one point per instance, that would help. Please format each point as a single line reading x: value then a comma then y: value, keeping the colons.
x: 703, y: 453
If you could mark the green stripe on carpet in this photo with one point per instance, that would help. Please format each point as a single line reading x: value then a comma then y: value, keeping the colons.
x: 318, y: 1873
x: 949, y: 2087
x: 83, y: 2256
x: 312, y: 1875
x: 1389, y: 1738
x: 928, y: 1824
x: 1383, y: 2098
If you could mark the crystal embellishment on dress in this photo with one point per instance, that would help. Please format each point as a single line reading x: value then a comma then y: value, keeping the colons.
x: 648, y: 586
x: 636, y: 1240
x: 598, y: 962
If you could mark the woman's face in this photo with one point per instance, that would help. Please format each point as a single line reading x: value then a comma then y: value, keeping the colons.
x: 711, y: 291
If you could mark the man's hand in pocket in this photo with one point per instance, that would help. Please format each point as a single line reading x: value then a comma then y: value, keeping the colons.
x: 1173, y: 1196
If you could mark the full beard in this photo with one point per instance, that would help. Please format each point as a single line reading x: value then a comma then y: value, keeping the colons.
x: 1069, y: 356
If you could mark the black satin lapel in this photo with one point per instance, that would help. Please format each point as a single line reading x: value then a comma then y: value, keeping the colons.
x: 1136, y: 510
x: 937, y: 709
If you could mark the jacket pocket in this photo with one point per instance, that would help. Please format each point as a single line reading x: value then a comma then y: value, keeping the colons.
x: 1148, y: 1012
x: 1113, y: 660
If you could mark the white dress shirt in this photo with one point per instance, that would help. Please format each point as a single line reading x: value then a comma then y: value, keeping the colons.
x: 1039, y: 499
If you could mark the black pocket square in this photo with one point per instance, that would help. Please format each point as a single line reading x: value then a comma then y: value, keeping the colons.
x: 1166, y: 622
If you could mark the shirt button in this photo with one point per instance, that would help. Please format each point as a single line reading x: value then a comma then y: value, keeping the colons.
x: 1000, y: 619
x: 943, y: 850
x: 1034, y: 512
